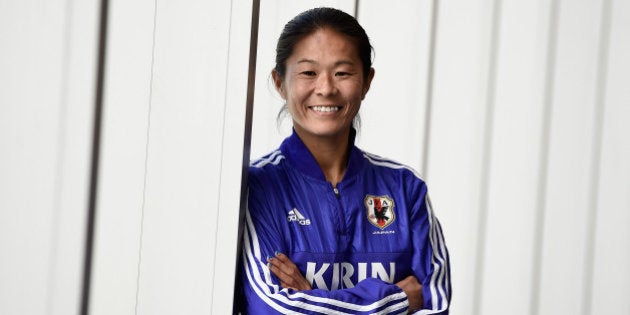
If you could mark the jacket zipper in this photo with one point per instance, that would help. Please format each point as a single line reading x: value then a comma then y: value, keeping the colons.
x: 342, y: 213
x: 336, y: 191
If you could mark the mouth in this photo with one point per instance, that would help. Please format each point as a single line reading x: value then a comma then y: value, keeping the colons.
x: 325, y: 108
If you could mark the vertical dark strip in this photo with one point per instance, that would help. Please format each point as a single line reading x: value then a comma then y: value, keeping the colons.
x: 486, y: 158
x: 428, y: 102
x: 598, y: 117
x: 543, y: 159
x: 356, y: 9
x: 96, y: 145
x: 247, y: 139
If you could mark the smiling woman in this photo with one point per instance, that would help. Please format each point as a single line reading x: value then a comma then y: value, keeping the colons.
x: 323, y: 87
x: 330, y: 228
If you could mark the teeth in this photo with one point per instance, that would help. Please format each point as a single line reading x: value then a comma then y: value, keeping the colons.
x: 326, y: 108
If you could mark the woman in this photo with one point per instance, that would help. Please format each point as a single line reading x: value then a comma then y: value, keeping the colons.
x: 329, y: 228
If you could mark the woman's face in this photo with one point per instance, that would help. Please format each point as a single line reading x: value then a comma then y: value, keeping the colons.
x: 324, y: 84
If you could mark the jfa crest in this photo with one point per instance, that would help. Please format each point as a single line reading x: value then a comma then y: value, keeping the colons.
x: 380, y: 210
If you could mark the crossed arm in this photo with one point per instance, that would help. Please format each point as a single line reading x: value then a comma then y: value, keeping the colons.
x: 291, y: 277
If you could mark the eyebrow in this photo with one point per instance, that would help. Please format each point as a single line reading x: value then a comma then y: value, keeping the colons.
x: 338, y: 63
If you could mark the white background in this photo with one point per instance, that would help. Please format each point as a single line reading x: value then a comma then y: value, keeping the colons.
x: 517, y: 113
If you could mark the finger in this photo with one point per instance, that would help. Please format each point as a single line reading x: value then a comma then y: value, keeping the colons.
x: 279, y: 259
x: 282, y: 257
x: 280, y: 270
x: 289, y: 269
x: 285, y: 265
x: 287, y: 272
x: 274, y: 265
x: 290, y: 276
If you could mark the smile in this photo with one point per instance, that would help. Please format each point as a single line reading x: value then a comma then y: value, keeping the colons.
x: 325, y: 109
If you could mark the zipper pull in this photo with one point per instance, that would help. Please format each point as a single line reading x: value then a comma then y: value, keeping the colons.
x: 336, y: 191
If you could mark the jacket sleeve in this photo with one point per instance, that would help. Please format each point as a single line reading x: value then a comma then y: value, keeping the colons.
x: 264, y: 295
x: 430, y: 257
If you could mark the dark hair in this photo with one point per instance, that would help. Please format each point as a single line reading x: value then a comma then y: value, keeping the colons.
x: 312, y: 20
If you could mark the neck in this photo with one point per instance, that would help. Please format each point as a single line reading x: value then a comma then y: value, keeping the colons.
x: 331, y: 154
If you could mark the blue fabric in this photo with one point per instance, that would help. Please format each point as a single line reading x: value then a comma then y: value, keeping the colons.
x: 352, y: 245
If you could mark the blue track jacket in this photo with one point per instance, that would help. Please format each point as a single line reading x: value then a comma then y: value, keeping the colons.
x: 351, y: 242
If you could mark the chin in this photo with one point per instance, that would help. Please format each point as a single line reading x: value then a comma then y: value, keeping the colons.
x: 328, y: 132
x: 324, y: 130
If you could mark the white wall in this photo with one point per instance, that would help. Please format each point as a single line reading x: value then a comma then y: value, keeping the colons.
x: 610, y: 279
x: 515, y: 112
x: 47, y: 81
x: 523, y: 241
x: 173, y: 131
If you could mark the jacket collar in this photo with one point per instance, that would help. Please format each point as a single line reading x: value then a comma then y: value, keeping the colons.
x: 300, y: 158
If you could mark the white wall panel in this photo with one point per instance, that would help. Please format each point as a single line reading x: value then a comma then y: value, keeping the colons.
x: 274, y: 14
x: 183, y: 168
x: 164, y: 179
x: 571, y: 151
x: 393, y: 112
x: 514, y: 158
x: 458, y: 117
x: 30, y: 132
x: 66, y: 269
x: 123, y: 154
x: 611, y: 275
x: 47, y: 57
x: 234, y: 157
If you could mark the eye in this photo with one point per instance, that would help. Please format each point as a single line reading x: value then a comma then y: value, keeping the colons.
x: 308, y: 73
x: 342, y: 74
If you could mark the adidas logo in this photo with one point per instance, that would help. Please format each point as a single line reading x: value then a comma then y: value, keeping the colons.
x: 295, y: 215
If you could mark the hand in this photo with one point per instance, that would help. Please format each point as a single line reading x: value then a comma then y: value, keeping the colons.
x: 288, y: 273
x: 413, y: 289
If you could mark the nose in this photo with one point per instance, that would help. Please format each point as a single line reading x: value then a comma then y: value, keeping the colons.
x: 325, y: 85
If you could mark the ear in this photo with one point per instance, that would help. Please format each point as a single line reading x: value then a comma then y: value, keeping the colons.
x: 367, y: 83
x: 278, y: 84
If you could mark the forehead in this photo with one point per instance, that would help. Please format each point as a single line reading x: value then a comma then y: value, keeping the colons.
x: 325, y: 45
